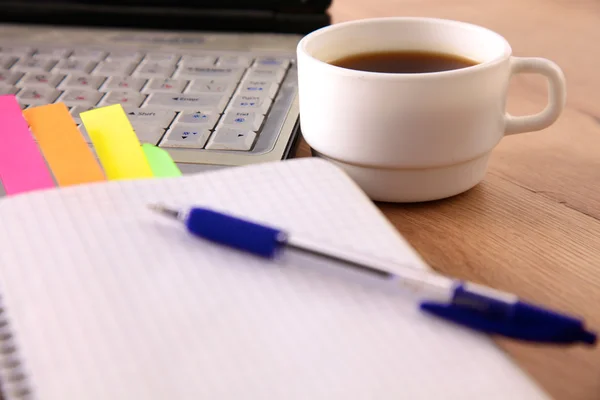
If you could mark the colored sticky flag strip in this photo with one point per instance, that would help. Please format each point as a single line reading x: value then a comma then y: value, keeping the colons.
x: 22, y: 165
x: 63, y: 146
x: 160, y: 161
x: 116, y: 143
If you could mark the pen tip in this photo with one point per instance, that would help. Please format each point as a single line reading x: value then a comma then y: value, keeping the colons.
x: 162, y: 209
x: 588, y: 337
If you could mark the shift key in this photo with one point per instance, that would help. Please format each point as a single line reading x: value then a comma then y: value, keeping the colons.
x: 146, y: 116
x: 187, y: 102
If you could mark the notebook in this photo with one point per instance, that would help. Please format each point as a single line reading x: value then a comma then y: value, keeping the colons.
x: 103, y: 299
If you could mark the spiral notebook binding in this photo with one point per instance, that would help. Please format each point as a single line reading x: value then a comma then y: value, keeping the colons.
x: 13, y: 380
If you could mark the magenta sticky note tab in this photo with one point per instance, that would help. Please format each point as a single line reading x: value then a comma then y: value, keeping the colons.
x: 22, y: 166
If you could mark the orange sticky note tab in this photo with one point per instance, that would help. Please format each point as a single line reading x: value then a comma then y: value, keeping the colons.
x: 67, y: 154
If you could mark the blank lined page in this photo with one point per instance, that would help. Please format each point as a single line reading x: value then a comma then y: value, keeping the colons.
x: 108, y: 300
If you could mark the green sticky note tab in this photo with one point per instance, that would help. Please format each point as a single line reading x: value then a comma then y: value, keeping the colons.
x: 160, y: 161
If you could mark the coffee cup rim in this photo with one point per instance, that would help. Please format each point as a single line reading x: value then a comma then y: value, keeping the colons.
x: 507, y: 52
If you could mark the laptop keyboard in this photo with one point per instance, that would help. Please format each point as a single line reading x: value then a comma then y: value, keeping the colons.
x: 210, y: 102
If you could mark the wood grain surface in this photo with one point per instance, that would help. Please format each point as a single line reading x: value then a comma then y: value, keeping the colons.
x: 533, y: 226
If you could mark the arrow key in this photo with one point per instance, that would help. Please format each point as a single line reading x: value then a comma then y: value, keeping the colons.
x: 201, y: 119
x: 185, y: 136
x: 231, y: 139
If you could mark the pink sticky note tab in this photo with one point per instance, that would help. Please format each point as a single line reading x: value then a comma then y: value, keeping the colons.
x: 22, y: 166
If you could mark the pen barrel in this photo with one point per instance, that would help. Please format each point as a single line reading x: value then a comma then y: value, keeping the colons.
x: 235, y: 232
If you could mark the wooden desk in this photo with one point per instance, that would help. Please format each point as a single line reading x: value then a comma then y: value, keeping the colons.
x: 533, y: 226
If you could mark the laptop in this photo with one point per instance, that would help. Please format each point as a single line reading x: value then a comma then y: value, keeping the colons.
x: 212, y: 82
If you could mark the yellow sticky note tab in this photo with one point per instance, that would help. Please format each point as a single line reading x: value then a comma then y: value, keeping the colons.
x: 160, y: 161
x: 116, y: 143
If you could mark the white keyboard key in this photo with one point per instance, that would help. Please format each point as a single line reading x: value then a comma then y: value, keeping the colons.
x: 7, y: 89
x: 159, y: 85
x: 19, y: 51
x: 260, y: 88
x: 89, y: 54
x: 268, y: 67
x: 77, y: 97
x: 185, y: 136
x: 242, y: 120
x: 252, y: 103
x: 34, y: 65
x: 234, y: 61
x: 148, y: 133
x: 222, y: 86
x: 37, y: 96
x: 129, y: 99
x: 76, y: 110
x: 114, y: 68
x: 124, y: 56
x: 226, y: 138
x: 265, y: 74
x: 192, y: 72
x: 126, y: 84
x: 162, y: 58
x: 32, y: 79
x: 82, y: 82
x: 198, y: 60
x: 74, y: 66
x: 205, y: 119
x: 10, y: 77
x: 187, y: 102
x: 146, y: 116
x: 54, y: 53
x: 7, y: 61
x: 153, y: 70
x: 271, y: 62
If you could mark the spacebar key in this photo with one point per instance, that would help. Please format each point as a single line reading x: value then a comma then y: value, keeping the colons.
x: 181, y: 102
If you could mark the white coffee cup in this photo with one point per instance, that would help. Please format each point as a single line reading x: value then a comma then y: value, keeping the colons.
x: 421, y: 136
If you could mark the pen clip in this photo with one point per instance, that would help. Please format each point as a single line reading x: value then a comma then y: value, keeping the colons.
x: 533, y: 330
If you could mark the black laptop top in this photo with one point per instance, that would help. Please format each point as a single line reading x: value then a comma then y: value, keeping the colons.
x: 277, y: 16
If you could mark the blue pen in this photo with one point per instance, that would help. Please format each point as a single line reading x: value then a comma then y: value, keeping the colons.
x: 469, y: 304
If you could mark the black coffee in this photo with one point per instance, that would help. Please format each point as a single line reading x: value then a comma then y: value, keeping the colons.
x: 403, y: 62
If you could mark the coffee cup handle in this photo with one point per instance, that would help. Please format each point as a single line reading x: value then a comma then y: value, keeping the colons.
x: 557, y: 95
